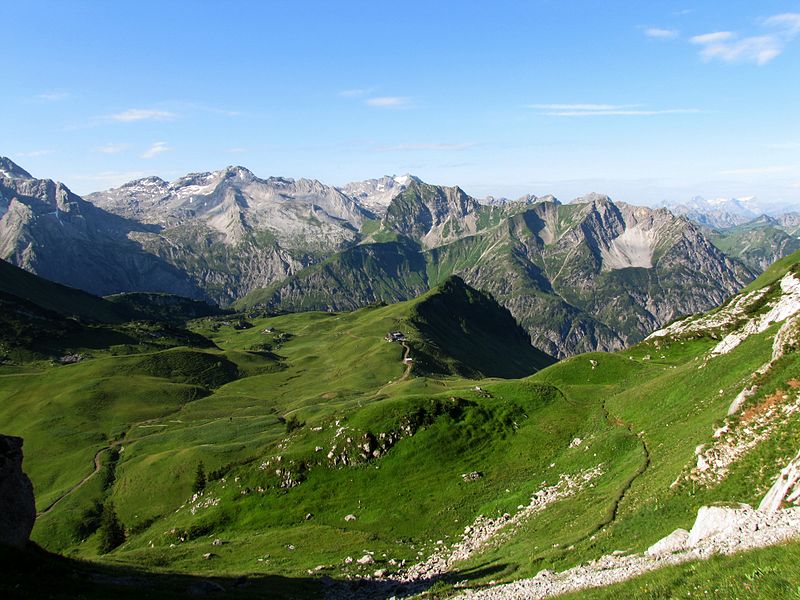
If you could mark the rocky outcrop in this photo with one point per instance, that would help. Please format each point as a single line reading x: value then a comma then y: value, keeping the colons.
x: 17, y: 503
x: 786, y: 488
x: 717, y: 530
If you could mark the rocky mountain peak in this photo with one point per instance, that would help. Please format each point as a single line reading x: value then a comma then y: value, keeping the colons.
x: 11, y: 170
x: 592, y: 198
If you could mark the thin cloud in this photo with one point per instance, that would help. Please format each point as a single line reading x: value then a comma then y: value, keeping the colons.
x: 53, y: 96
x: 625, y: 113
x: 424, y: 147
x: 156, y: 149
x: 34, y: 153
x: 142, y: 114
x: 606, y: 110
x: 238, y: 150
x: 769, y: 170
x: 712, y: 38
x: 661, y: 34
x: 759, y: 50
x: 355, y: 93
x: 728, y: 46
x: 583, y: 107
x: 790, y: 22
x: 389, y: 102
x: 112, y: 148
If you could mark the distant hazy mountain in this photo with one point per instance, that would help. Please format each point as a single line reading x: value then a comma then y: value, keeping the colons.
x: 718, y: 212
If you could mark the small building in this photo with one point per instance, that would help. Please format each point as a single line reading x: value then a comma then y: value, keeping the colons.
x: 395, y: 336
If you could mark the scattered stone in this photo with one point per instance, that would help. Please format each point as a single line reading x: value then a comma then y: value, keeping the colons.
x: 217, y: 542
x: 366, y: 560
x: 350, y: 518
x: 380, y: 573
x: 309, y: 516
x: 208, y: 555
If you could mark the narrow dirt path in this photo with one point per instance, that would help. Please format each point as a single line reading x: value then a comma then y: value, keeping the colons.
x: 406, y: 374
x: 97, y: 466
x: 406, y: 352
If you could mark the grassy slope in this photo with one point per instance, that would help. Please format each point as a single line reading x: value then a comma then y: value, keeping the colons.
x: 640, y: 414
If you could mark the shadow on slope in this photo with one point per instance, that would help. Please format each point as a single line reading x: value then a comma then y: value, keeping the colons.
x: 34, y: 573
x: 465, y: 332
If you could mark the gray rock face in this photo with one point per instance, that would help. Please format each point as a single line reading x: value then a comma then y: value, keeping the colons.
x: 17, y: 503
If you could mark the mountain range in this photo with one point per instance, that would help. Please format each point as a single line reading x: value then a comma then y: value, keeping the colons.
x: 591, y: 274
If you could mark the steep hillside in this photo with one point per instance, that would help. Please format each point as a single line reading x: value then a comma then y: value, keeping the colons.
x: 465, y: 332
x: 60, y: 299
x: 48, y: 230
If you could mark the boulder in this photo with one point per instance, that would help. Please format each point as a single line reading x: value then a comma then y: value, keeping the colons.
x: 674, y: 542
x: 17, y: 503
x: 716, y: 521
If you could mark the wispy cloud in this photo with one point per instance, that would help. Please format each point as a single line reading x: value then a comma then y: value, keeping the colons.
x: 606, y: 110
x: 582, y: 107
x: 789, y: 22
x: 423, y: 147
x: 730, y: 47
x: 713, y: 37
x: 768, y: 170
x: 156, y: 149
x: 389, y: 102
x: 661, y: 34
x: 354, y: 93
x: 112, y: 148
x: 53, y: 96
x: 34, y: 153
x: 142, y: 114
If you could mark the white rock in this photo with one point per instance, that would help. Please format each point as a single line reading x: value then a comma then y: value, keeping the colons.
x: 672, y: 543
x: 366, y: 560
x: 716, y: 521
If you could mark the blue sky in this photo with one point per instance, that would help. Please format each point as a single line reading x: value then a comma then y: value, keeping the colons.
x: 644, y: 101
